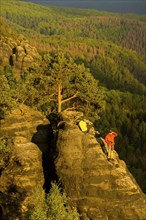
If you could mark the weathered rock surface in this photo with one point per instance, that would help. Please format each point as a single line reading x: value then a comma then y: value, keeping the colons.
x: 17, y: 52
x: 24, y: 171
x: 100, y: 189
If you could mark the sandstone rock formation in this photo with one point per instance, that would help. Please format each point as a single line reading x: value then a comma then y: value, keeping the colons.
x: 100, y: 189
x: 24, y: 171
x: 17, y: 52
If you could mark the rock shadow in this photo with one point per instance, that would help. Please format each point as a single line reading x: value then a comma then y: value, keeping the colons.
x: 11, y: 202
x: 45, y: 140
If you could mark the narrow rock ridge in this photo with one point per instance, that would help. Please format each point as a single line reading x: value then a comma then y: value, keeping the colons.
x: 98, y: 188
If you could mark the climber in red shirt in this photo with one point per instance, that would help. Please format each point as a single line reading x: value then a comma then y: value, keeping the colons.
x: 109, y: 139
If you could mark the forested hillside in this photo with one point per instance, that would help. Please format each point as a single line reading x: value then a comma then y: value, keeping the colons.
x: 96, y: 57
x: 128, y: 31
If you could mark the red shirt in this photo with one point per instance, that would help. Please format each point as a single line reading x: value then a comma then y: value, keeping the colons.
x: 109, y: 138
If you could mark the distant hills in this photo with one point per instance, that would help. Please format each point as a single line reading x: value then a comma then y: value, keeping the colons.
x: 123, y: 6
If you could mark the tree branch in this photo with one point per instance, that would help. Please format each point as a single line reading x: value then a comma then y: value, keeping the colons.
x: 72, y: 97
x: 69, y: 109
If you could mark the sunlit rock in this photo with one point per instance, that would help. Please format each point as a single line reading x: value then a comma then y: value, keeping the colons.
x: 100, y: 189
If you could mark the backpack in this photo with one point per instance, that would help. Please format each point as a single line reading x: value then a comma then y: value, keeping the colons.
x: 102, y: 144
x: 83, y: 126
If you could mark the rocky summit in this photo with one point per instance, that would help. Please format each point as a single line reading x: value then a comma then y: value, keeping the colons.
x: 101, y: 190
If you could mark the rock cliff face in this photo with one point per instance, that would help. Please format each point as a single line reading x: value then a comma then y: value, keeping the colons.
x: 17, y: 52
x: 100, y: 189
x: 24, y: 170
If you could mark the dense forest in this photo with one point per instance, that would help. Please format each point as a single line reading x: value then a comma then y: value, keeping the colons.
x: 96, y: 59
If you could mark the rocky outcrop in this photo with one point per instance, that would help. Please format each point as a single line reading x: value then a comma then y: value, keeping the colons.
x: 17, y: 52
x: 24, y: 170
x: 100, y: 189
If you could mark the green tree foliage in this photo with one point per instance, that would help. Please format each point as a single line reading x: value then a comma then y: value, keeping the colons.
x: 126, y: 113
x: 5, y: 29
x: 119, y: 68
x: 54, y: 205
x: 127, y: 31
x: 57, y: 83
x: 6, y: 145
x: 26, y: 91
x: 66, y: 85
x: 40, y: 208
x: 7, y: 101
x: 58, y: 204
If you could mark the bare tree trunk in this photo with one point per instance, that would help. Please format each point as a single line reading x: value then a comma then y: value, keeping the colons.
x: 60, y: 101
x: 59, y: 97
